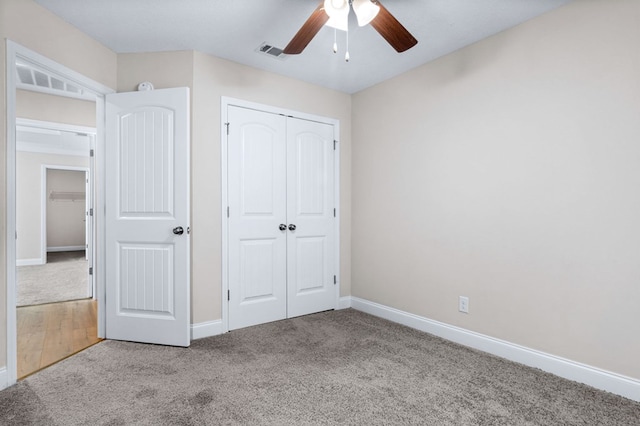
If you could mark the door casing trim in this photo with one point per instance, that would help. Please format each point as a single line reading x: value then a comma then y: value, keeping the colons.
x: 225, y: 102
x: 14, y: 52
x: 44, y: 247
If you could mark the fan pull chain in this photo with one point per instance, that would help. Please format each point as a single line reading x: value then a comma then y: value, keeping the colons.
x: 335, y: 41
x: 346, y: 55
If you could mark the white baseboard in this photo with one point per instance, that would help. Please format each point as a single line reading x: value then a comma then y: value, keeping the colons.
x: 29, y: 262
x: 4, y: 378
x: 66, y: 248
x: 206, y: 329
x: 568, y: 369
x: 344, y: 302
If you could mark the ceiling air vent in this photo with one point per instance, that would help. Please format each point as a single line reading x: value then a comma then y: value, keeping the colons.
x: 274, y: 52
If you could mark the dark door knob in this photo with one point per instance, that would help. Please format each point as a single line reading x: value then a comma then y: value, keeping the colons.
x: 178, y: 230
x: 292, y: 227
x: 283, y: 227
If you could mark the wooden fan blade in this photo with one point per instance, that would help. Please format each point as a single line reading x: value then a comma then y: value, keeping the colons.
x: 392, y: 30
x: 308, y: 31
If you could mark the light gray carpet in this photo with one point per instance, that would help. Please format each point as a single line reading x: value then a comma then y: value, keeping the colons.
x: 341, y: 367
x: 63, y: 277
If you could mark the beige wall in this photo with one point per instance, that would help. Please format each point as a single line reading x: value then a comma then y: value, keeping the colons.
x: 29, y: 201
x: 56, y: 109
x: 163, y: 69
x: 66, y: 224
x: 28, y: 207
x: 25, y: 22
x: 210, y: 78
x: 508, y: 172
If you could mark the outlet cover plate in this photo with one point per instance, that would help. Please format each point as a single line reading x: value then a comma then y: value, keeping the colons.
x: 463, y: 304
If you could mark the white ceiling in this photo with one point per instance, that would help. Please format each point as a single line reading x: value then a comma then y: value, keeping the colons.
x: 233, y: 29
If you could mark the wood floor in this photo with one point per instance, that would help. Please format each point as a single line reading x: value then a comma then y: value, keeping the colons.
x: 49, y: 333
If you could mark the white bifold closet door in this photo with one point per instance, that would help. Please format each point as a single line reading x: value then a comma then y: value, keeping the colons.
x: 282, y: 230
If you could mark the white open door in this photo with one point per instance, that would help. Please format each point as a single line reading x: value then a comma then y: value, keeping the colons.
x: 147, y: 217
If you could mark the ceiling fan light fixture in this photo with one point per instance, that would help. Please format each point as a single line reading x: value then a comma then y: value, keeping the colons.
x: 338, y: 11
x: 333, y: 7
x: 339, y: 23
x: 365, y: 11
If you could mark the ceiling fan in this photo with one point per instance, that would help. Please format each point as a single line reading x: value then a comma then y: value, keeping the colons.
x: 335, y: 13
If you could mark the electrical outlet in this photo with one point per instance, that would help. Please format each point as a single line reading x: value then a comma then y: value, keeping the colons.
x: 463, y: 304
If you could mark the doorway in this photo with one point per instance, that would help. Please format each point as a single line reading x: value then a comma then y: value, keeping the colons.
x: 281, y: 227
x: 54, y: 195
x: 56, y: 312
x: 32, y: 73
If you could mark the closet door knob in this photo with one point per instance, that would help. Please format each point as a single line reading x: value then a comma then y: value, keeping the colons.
x: 292, y: 227
x: 283, y: 227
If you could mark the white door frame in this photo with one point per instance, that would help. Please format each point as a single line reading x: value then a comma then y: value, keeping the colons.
x: 97, y: 91
x: 90, y: 132
x: 43, y: 215
x: 225, y: 102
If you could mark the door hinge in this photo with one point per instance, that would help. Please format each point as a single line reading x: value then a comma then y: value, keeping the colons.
x: 227, y: 124
x: 335, y: 142
x: 228, y: 295
x: 91, y: 153
x: 334, y: 212
x: 335, y: 280
x: 91, y: 270
x: 228, y: 211
x: 90, y: 212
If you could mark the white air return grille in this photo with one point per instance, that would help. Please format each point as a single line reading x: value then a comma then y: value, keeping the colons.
x: 42, y: 79
x: 57, y: 84
x: 25, y: 75
x: 39, y: 80
x: 270, y: 50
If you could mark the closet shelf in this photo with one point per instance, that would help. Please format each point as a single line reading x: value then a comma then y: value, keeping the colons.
x: 66, y: 196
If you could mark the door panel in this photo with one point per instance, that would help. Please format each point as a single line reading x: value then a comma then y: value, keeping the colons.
x: 257, y: 206
x: 146, y: 283
x: 147, y: 197
x: 310, y: 201
x: 258, y: 148
x: 310, y: 253
x: 257, y: 278
x: 147, y: 158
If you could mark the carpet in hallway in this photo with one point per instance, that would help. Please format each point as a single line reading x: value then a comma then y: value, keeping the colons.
x: 63, y: 277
